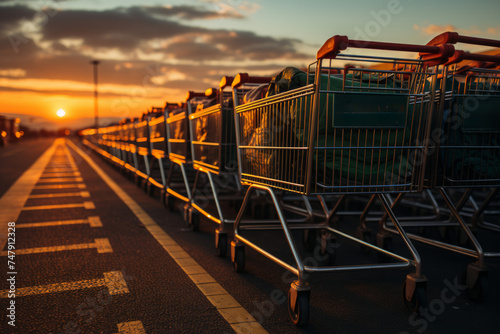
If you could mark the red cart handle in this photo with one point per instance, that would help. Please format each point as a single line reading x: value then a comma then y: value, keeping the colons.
x: 225, y: 81
x: 462, y: 55
x: 191, y: 94
x: 211, y: 93
x: 243, y: 78
x: 337, y: 43
x: 450, y: 37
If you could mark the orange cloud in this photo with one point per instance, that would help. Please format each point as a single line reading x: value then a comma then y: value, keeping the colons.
x: 434, y: 29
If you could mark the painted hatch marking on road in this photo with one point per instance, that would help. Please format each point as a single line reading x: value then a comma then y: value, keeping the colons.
x: 61, y: 186
x: 131, y: 327
x: 113, y: 281
x: 237, y: 317
x: 101, y: 244
x: 87, y: 205
x: 93, y: 221
x: 84, y: 194
x: 14, y: 199
x: 60, y: 179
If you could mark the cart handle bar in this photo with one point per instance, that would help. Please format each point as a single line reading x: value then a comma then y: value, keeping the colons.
x: 225, y: 81
x: 191, y: 94
x: 463, y: 55
x: 210, y: 93
x: 450, y: 37
x: 243, y: 78
x: 337, y: 43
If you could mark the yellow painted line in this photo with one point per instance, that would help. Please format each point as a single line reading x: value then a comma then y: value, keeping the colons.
x: 93, y: 221
x: 60, y: 179
x: 113, y: 281
x: 239, y: 319
x: 131, y: 327
x: 84, y: 194
x: 64, y: 174
x: 102, y: 245
x: 14, y: 199
x: 61, y: 186
x: 87, y: 205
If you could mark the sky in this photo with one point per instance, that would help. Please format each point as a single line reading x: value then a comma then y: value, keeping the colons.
x: 152, y: 51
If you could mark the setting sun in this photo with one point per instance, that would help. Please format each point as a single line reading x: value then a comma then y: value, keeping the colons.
x: 61, y: 113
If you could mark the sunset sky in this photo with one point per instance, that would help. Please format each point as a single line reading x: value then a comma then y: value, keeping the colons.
x: 155, y: 51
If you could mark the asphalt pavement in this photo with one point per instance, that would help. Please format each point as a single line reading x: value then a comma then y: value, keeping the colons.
x: 92, y: 257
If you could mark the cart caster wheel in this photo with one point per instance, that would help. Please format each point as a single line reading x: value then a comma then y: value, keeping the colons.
x: 327, y: 252
x: 150, y: 189
x: 193, y: 218
x: 418, y: 301
x: 384, y: 241
x: 477, y: 292
x: 449, y: 234
x: 365, y: 235
x: 309, y: 239
x: 299, y: 311
x: 163, y: 197
x: 170, y: 202
x: 238, y: 257
x: 464, y: 240
x: 221, y: 243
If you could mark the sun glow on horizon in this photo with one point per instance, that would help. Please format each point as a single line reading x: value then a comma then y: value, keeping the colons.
x: 61, y: 113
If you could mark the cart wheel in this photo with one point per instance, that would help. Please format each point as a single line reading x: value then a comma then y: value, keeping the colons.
x: 163, y: 197
x: 327, y: 250
x: 239, y: 258
x: 193, y: 219
x: 385, y: 242
x: 464, y: 240
x: 300, y: 313
x: 449, y: 234
x: 137, y: 180
x: 478, y: 291
x: 418, y: 300
x: 309, y: 239
x: 150, y: 189
x: 366, y: 235
x: 221, y: 244
x: 170, y: 201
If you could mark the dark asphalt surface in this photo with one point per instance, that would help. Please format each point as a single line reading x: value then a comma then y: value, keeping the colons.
x: 164, y: 299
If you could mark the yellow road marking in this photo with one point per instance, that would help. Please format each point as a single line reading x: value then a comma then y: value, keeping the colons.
x: 239, y: 319
x: 102, y: 245
x: 93, y: 221
x: 87, y: 205
x: 84, y: 194
x: 13, y: 200
x: 61, y: 186
x: 132, y: 327
x: 64, y: 174
x: 113, y: 281
x: 60, y: 179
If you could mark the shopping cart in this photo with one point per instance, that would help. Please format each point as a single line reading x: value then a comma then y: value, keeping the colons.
x: 349, y: 130
x: 179, y: 152
x: 463, y: 152
x: 143, y: 150
x: 159, y: 162
x: 213, y: 142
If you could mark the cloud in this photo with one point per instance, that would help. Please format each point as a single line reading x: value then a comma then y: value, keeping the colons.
x: 149, y: 49
x: 434, y: 29
x: 191, y: 12
x: 11, y: 16
x: 122, y: 28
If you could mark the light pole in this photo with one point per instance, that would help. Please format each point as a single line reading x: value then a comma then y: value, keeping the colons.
x: 95, y: 63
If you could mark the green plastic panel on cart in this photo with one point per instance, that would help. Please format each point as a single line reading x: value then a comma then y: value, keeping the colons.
x: 483, y: 115
x: 369, y: 111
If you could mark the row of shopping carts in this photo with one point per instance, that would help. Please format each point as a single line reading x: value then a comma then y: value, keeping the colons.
x: 410, y: 126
